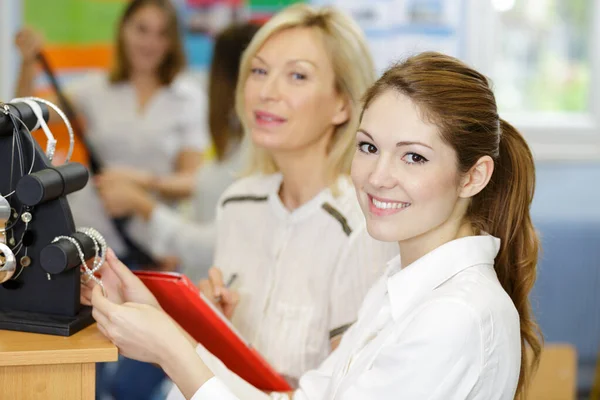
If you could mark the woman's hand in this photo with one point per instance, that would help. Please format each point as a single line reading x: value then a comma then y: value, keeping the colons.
x: 121, y: 285
x: 29, y: 42
x: 140, y: 331
x: 129, y: 175
x: 147, y: 334
x: 215, y: 290
x: 122, y: 198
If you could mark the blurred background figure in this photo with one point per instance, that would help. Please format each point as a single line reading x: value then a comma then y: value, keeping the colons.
x: 146, y: 128
x: 210, y: 181
x: 145, y: 123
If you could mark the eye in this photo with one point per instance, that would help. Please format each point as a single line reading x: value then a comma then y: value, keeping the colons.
x: 414, y: 158
x: 367, y: 148
x: 258, y: 71
x: 298, y: 76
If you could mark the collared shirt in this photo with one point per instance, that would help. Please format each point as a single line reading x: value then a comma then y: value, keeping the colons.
x: 442, y: 328
x: 300, y: 273
x: 124, y: 136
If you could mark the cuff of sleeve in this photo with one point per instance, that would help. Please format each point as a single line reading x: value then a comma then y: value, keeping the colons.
x: 159, y: 226
x: 213, y: 389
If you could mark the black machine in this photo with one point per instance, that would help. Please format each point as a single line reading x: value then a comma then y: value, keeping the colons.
x: 40, y: 248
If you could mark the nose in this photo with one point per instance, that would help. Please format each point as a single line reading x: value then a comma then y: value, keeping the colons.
x: 270, y: 90
x: 381, y: 177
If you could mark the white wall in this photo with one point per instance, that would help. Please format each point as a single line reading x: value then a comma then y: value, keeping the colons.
x: 10, y: 21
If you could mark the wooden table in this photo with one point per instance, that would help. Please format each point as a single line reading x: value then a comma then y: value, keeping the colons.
x: 556, y: 378
x: 34, y: 366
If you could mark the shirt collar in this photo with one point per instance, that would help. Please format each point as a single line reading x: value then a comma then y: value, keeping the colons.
x: 305, y: 209
x: 430, y: 271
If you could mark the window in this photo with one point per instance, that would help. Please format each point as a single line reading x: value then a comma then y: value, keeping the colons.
x: 543, y: 57
x: 543, y: 53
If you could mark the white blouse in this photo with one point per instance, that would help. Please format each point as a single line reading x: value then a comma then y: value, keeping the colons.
x: 440, y: 329
x: 301, y: 274
x: 121, y: 135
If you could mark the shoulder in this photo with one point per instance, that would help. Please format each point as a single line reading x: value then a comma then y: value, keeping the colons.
x: 344, y: 207
x: 448, y: 326
x: 253, y: 188
x: 472, y: 305
x: 188, y: 88
x: 93, y: 81
x: 478, y: 288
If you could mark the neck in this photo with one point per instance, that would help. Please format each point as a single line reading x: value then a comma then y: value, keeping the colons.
x: 304, y: 174
x: 144, y: 79
x: 414, y: 248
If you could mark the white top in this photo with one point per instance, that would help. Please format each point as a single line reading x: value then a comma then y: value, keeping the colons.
x: 301, y: 273
x: 193, y: 239
x: 440, y: 329
x: 173, y: 120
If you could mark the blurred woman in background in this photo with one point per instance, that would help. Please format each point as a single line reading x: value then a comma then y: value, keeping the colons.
x: 144, y: 121
x: 164, y: 224
x: 145, y: 124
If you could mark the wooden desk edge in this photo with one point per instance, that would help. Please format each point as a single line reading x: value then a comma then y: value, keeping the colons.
x: 52, y: 357
x: 86, y: 346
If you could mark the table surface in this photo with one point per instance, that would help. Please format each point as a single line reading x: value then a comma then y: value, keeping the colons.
x: 86, y: 346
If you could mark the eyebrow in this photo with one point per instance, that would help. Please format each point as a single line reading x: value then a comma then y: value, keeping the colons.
x: 288, y: 62
x: 399, y: 144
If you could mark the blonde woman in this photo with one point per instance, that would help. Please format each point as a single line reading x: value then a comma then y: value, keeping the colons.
x: 292, y: 230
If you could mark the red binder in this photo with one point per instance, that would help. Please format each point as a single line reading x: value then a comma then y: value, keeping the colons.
x: 182, y: 300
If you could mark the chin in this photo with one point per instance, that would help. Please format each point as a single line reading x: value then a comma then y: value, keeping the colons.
x: 383, y: 232
x: 270, y: 141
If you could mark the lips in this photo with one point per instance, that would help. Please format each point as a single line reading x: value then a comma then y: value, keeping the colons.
x: 382, y: 207
x: 264, y: 118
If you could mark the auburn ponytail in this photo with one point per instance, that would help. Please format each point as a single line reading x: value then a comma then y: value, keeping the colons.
x: 503, y: 211
x: 459, y: 101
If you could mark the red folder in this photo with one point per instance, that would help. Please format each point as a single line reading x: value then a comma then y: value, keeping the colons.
x: 182, y: 300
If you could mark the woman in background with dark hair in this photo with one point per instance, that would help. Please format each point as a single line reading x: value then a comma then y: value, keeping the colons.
x: 164, y: 225
x: 225, y: 128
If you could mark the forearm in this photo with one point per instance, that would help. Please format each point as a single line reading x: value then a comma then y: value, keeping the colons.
x: 25, y: 82
x: 26, y: 86
x: 181, y: 183
x: 185, y: 368
x: 143, y: 206
x: 176, y: 186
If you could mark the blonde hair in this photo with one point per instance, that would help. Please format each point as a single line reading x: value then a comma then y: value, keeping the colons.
x: 352, y: 65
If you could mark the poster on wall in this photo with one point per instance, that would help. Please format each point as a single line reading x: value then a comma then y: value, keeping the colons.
x: 78, y: 35
x: 203, y: 19
x: 81, y: 37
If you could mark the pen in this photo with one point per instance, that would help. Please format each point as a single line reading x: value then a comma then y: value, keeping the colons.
x: 232, y: 279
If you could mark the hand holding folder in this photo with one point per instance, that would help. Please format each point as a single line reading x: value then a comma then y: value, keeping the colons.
x: 198, y: 316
